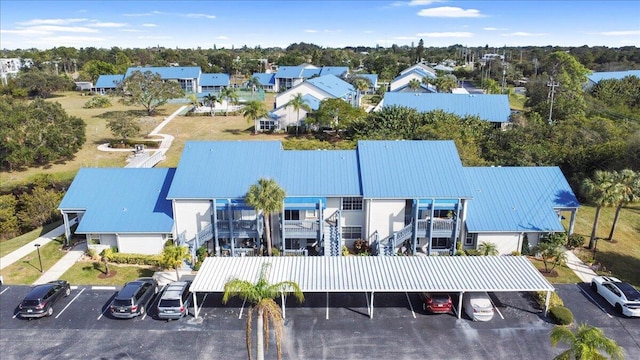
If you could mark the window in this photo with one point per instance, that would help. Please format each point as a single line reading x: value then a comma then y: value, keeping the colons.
x: 292, y: 214
x: 440, y: 243
x: 267, y: 125
x: 352, y: 203
x: 470, y: 240
x: 351, y: 232
x: 310, y: 214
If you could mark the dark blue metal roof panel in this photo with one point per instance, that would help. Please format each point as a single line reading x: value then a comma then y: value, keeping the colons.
x: 411, y: 169
x: 224, y: 169
x: 121, y: 200
x: 214, y: 79
x: 488, y: 107
x: 265, y: 79
x: 517, y: 199
x: 109, y: 81
x: 169, y: 72
x: 320, y: 173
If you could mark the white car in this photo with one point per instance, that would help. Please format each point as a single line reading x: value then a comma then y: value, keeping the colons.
x: 624, y: 297
x: 478, y: 306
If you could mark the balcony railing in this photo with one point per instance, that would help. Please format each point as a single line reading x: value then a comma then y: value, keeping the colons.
x: 440, y: 226
x: 241, y: 228
x: 301, y: 228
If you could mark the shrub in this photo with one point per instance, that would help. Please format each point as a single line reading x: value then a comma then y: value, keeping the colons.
x: 92, y: 253
x: 525, y: 245
x: 516, y: 253
x: 201, y: 253
x: 197, y: 265
x: 275, y: 251
x: 345, y: 250
x: 561, y: 315
x: 473, y: 252
x: 360, y: 246
x: 97, y: 102
x: 554, y: 300
x: 136, y: 259
x: 575, y: 241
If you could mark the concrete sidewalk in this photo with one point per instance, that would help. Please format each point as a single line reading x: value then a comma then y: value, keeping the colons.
x: 582, y: 270
x: 64, y: 264
x: 30, y: 247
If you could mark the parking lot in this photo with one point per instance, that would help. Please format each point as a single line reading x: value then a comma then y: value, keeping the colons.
x: 81, y: 327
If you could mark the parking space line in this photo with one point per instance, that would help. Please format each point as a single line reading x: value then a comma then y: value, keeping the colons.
x: 103, y: 288
x: 595, y: 302
x: 410, y: 305
x: 72, y: 300
x: 15, y: 316
x: 2, y: 292
x: 242, y: 308
x: 102, y: 313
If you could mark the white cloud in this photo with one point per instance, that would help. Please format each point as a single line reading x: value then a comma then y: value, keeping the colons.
x: 72, y: 29
x: 493, y: 29
x: 405, y: 38
x: 149, y: 25
x: 458, y: 34
x: 206, y: 16
x: 310, y: 31
x: 50, y: 22
x: 222, y: 37
x: 107, y: 24
x: 450, y: 12
x: 25, y: 32
x: 620, y: 33
x: 524, y: 34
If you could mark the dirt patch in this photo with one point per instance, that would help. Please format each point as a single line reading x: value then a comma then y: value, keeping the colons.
x: 111, y: 274
x: 549, y: 274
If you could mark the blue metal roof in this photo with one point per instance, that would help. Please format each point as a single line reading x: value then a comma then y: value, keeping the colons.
x: 265, y: 79
x: 108, y: 81
x: 312, y: 101
x: 519, y: 199
x: 618, y: 75
x: 320, y: 173
x: 333, y: 85
x: 493, y: 108
x: 169, y: 72
x: 416, y: 71
x: 310, y: 72
x: 289, y: 72
x: 121, y: 200
x: 214, y: 80
x: 411, y: 169
x: 334, y: 70
x: 373, y: 78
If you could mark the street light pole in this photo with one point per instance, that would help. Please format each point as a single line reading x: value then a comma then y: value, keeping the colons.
x: 39, y: 257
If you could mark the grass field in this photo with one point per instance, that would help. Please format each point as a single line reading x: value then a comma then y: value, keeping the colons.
x: 27, y: 269
x: 89, y: 273
x: 9, y: 245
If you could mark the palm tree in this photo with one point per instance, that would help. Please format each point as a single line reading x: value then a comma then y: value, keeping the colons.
x: 261, y: 295
x: 601, y: 191
x: 253, y: 111
x: 362, y: 85
x: 585, y: 344
x: 414, y: 84
x: 253, y: 83
x: 230, y: 95
x: 173, y: 256
x: 193, y: 99
x: 629, y: 185
x: 445, y: 83
x: 488, y: 249
x: 211, y: 100
x: 266, y: 196
x: 297, y: 102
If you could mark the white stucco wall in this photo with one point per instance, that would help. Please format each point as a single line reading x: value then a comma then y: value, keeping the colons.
x: 404, y: 81
x: 505, y: 242
x: 304, y: 89
x: 386, y: 216
x: 108, y: 239
x: 140, y: 243
x: 191, y: 216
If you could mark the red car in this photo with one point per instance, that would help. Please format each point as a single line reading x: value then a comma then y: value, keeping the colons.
x: 436, y: 302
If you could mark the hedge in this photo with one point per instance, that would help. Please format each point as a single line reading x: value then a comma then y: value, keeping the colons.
x: 136, y: 259
x: 561, y: 315
x: 554, y: 301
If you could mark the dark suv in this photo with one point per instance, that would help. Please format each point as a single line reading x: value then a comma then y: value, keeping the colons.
x: 134, y: 298
x: 174, y: 301
x: 40, y: 300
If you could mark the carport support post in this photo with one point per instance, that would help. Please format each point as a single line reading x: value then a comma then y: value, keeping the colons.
x: 195, y: 306
x: 284, y: 308
x: 460, y: 305
x: 371, y: 311
x: 546, y: 303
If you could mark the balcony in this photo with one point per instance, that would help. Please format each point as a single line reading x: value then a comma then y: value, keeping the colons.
x: 301, y: 229
x: 241, y: 228
x: 441, y: 227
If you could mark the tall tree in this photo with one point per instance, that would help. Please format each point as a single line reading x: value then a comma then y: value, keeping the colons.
x: 148, y: 90
x: 230, y: 95
x: 253, y: 111
x: 420, y: 51
x: 298, y: 103
x: 446, y: 83
x: 123, y: 126
x: 628, y: 183
x: 173, y: 256
x: 253, y: 83
x: 602, y: 191
x: 261, y: 295
x: 337, y: 114
x: 210, y: 99
x: 267, y: 197
x: 414, y: 84
x: 587, y: 343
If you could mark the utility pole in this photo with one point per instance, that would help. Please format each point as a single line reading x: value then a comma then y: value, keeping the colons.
x: 552, y: 90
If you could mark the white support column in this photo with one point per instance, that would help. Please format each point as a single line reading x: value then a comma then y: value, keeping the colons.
x: 196, y: 311
x: 284, y: 308
x: 67, y: 228
x: 546, y: 302
x: 371, y: 310
x: 572, y: 222
x: 460, y: 305
x: 327, y: 314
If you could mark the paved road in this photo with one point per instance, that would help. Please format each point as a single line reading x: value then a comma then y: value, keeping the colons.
x: 82, y: 328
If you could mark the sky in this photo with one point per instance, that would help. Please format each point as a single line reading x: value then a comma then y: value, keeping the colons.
x: 227, y: 24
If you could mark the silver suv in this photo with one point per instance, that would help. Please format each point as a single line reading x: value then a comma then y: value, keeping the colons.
x: 174, y: 301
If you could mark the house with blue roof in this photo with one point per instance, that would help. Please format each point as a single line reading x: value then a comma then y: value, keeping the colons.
x: 288, y: 77
x: 401, y: 82
x: 107, y: 83
x: 213, y: 82
x: 494, y: 108
x: 267, y: 81
x: 187, y: 76
x: 596, y: 77
x: 313, y: 92
x: 399, y: 196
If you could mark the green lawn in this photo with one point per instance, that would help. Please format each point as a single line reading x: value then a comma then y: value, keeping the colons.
x: 564, y: 274
x: 9, y: 245
x: 27, y: 269
x: 89, y: 272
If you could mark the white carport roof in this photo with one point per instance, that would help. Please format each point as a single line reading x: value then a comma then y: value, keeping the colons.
x: 379, y: 273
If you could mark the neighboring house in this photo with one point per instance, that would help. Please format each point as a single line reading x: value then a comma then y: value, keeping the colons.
x: 373, y: 80
x: 384, y: 192
x: 107, y: 83
x: 443, y: 68
x: 421, y: 67
x: 187, y: 76
x: 213, y: 82
x: 488, y: 107
x: 596, y: 77
x: 10, y: 67
x: 267, y: 81
x: 126, y: 208
x: 313, y: 91
x: 84, y: 85
x: 401, y: 82
x: 288, y: 77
